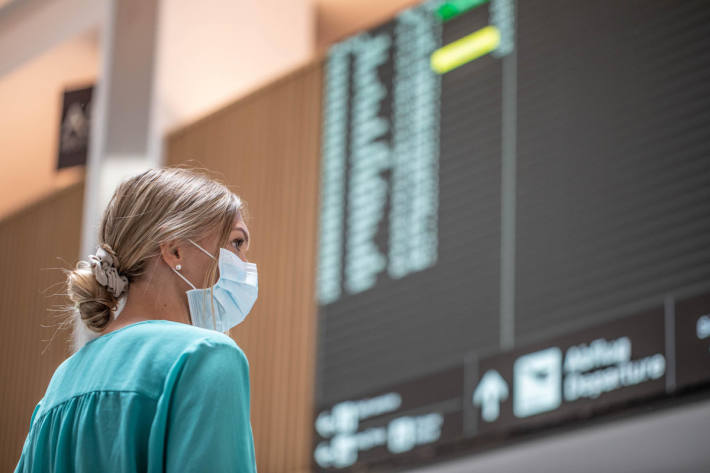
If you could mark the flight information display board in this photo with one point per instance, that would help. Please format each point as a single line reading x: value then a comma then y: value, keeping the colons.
x: 502, y: 184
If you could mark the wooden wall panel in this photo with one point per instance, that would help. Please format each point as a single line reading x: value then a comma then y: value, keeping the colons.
x: 266, y: 147
x: 33, y: 242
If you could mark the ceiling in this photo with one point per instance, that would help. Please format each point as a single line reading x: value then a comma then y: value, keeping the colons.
x: 336, y: 19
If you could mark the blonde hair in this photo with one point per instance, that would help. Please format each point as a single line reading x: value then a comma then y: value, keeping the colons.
x: 146, y: 210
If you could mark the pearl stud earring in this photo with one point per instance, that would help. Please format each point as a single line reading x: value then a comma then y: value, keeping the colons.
x: 178, y: 267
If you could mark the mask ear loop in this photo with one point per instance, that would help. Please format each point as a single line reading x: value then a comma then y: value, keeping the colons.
x: 214, y: 321
x: 206, y: 252
x: 191, y: 285
x: 183, y: 278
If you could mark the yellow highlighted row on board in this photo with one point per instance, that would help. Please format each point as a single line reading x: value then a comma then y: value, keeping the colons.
x: 465, y: 50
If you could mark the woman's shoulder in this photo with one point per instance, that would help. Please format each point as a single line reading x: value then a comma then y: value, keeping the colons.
x: 166, y: 336
x: 195, y: 338
x: 170, y: 340
x: 137, y: 357
x: 180, y: 330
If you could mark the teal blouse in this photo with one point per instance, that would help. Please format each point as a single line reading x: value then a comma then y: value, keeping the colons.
x: 153, y: 396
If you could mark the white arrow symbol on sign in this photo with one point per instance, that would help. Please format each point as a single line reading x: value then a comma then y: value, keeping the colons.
x: 491, y: 391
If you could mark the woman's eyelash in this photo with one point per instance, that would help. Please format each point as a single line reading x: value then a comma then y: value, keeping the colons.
x: 239, y: 242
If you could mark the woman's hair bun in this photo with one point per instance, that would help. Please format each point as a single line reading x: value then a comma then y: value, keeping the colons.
x: 93, y: 301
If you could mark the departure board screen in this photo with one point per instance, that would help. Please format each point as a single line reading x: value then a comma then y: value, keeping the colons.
x: 410, y: 203
x: 497, y: 173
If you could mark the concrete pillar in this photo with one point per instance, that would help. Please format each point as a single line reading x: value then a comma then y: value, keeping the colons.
x: 122, y: 107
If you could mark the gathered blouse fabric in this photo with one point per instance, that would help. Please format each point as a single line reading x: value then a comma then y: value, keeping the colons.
x: 154, y: 396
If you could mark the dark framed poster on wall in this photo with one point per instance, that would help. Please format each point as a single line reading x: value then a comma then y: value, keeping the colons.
x: 74, y: 127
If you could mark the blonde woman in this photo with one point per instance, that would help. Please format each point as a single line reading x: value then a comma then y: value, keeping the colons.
x: 159, y: 387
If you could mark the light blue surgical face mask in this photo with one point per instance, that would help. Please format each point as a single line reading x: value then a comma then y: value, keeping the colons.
x: 234, y: 293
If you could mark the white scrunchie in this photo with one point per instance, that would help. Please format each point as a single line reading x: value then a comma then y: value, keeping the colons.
x: 106, y: 273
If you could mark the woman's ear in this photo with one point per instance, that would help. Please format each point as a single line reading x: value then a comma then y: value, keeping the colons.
x: 171, y: 253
